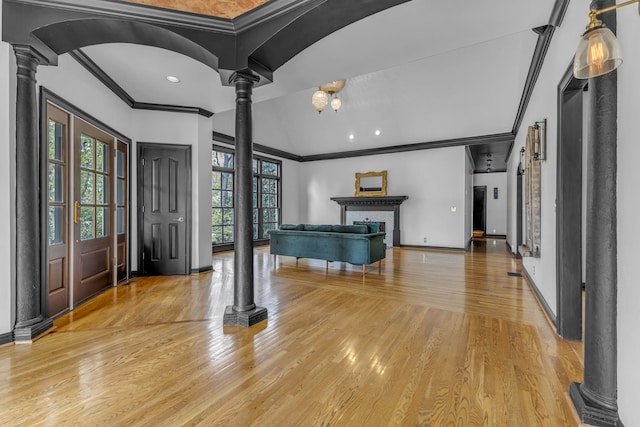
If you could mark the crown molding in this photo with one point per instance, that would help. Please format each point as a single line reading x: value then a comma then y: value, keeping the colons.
x: 83, y: 59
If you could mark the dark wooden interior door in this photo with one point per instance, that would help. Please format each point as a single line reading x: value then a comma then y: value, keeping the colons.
x: 57, y: 146
x: 93, y: 211
x: 165, y: 187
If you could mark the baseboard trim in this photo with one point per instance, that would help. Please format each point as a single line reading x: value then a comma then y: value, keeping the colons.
x: 431, y: 247
x: 6, y: 338
x: 202, y: 269
x: 541, y: 300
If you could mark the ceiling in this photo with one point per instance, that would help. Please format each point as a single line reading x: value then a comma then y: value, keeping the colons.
x: 219, y: 8
x: 418, y: 72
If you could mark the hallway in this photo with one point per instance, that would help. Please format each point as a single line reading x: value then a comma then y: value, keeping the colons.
x: 440, y: 337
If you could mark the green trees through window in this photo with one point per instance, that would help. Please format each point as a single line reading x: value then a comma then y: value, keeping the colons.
x: 266, y: 196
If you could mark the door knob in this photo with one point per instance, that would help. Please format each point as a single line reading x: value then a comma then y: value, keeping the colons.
x: 181, y: 219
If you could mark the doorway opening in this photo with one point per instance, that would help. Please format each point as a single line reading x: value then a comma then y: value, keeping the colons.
x: 479, y: 210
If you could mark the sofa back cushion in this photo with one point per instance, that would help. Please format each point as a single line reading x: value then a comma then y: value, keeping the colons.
x: 355, y: 229
x: 316, y: 227
x: 292, y: 227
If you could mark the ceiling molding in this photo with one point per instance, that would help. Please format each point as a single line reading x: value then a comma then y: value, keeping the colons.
x: 456, y: 142
x: 469, y: 141
x: 83, y: 59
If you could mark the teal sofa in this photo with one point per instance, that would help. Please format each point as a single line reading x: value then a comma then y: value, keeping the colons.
x: 355, y: 244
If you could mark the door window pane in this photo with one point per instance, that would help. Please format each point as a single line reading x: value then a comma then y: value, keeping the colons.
x: 120, y: 163
x: 56, y: 141
x: 120, y: 192
x: 87, y: 152
x: 102, y: 216
x: 56, y: 215
x: 120, y: 220
x: 102, y: 185
x: 87, y: 223
x: 56, y: 182
x: 216, y: 234
x: 227, y: 234
x: 102, y: 157
x: 87, y: 190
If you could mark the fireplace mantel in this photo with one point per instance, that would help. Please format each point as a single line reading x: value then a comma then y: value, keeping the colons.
x: 383, y: 203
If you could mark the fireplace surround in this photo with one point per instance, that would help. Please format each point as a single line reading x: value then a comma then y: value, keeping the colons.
x: 383, y: 203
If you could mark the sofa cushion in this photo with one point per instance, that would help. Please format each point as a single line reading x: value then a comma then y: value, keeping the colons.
x: 374, y: 227
x: 355, y: 229
x: 292, y: 227
x: 315, y: 227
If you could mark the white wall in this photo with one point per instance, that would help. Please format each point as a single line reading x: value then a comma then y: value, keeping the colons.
x: 76, y: 85
x: 496, y: 217
x: 181, y: 129
x: 433, y: 179
x: 628, y: 209
x: 290, y: 192
x: 7, y: 139
x: 543, y: 105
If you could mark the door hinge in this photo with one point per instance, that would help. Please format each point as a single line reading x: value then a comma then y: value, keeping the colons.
x: 143, y: 161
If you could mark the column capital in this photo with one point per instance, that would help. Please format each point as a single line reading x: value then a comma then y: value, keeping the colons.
x: 243, y: 76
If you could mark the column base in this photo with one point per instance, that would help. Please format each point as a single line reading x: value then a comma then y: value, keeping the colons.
x: 26, y: 334
x: 244, y: 318
x: 590, y: 413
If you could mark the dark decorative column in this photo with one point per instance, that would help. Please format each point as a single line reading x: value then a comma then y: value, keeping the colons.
x: 244, y: 311
x: 30, y: 320
x: 596, y: 398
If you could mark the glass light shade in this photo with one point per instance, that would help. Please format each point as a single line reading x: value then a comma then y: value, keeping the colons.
x: 598, y: 53
x: 336, y: 103
x: 320, y: 99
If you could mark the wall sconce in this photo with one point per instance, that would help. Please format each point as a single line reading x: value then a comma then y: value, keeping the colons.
x: 521, y: 166
x: 598, y: 52
x: 540, y: 140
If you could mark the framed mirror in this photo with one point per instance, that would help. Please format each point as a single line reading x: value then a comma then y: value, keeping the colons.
x: 370, y: 184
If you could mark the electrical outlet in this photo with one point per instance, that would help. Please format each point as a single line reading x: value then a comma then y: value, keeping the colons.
x: 425, y: 240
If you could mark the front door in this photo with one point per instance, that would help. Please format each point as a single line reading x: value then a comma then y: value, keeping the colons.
x: 93, y: 207
x: 165, y: 195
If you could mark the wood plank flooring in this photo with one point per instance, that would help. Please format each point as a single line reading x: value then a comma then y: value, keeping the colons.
x: 439, y: 338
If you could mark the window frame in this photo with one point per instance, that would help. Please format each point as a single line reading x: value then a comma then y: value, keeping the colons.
x: 262, y: 238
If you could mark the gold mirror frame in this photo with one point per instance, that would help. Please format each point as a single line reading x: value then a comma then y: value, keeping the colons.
x: 364, y: 193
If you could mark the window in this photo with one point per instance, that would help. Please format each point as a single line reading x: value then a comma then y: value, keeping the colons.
x: 266, y: 197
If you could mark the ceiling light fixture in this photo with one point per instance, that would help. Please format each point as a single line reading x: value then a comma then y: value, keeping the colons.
x: 351, y: 136
x: 320, y: 98
x: 377, y: 132
x: 598, y: 52
x: 173, y: 79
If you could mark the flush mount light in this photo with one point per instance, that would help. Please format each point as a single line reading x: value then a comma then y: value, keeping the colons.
x: 173, y: 79
x: 598, y: 52
x: 377, y: 132
x: 351, y: 136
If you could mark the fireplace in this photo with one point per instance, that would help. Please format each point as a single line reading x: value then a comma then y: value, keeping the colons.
x: 385, y: 209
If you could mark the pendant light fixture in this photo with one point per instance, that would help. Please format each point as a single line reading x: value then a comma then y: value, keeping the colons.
x: 598, y: 52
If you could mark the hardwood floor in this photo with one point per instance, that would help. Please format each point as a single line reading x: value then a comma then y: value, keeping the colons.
x: 438, y: 338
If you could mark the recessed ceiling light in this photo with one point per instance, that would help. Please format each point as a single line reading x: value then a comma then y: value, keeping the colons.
x: 377, y: 132
x: 173, y: 79
x: 351, y: 136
